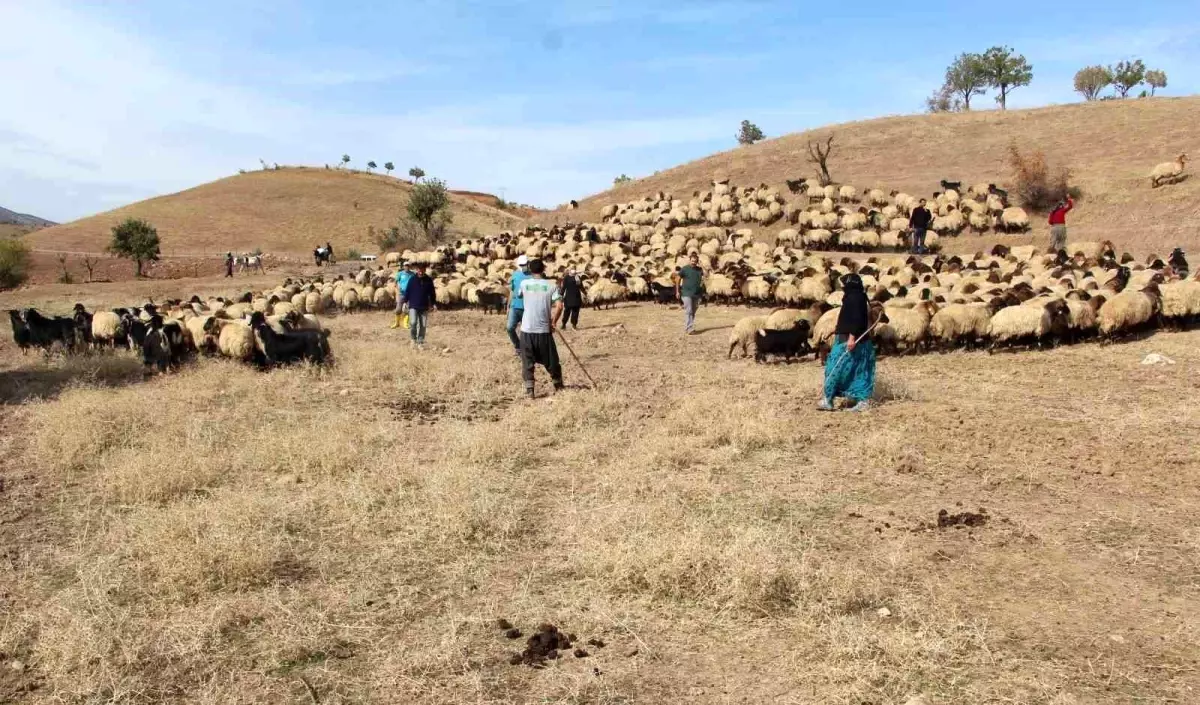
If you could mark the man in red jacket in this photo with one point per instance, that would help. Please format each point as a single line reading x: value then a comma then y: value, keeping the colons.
x: 1058, y: 224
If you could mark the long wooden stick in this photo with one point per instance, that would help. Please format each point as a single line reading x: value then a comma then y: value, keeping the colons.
x: 563, y: 338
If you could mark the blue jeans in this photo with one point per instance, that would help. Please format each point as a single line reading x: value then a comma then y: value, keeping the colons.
x: 417, y: 322
x: 918, y: 240
x: 514, y: 322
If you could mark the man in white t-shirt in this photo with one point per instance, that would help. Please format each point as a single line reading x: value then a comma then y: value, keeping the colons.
x: 543, y: 305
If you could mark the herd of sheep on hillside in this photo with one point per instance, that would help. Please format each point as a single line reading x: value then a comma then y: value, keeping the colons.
x: 1009, y: 296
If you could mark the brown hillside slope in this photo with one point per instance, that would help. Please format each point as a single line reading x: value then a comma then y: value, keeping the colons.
x: 286, y: 211
x: 1110, y: 146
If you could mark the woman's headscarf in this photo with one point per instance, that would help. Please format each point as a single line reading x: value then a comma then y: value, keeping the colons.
x: 852, y: 319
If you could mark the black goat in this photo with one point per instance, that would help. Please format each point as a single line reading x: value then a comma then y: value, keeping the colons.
x: 45, y: 332
x: 998, y: 192
x: 1178, y: 262
x: 492, y: 300
x: 135, y: 331
x: 951, y: 185
x: 83, y: 324
x: 21, y: 334
x: 164, y: 345
x: 786, y: 343
x: 292, y: 346
x: 797, y: 185
x: 663, y: 294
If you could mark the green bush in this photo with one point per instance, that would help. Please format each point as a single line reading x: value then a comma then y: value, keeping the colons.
x: 353, y: 254
x: 14, y: 263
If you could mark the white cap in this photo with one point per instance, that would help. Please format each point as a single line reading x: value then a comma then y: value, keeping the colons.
x: 522, y: 261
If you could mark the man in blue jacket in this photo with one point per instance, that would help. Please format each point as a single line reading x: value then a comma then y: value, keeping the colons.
x: 402, y: 278
x: 420, y: 296
x: 516, y: 306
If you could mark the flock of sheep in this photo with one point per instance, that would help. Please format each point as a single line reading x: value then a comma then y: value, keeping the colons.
x: 818, y: 217
x: 1010, y: 296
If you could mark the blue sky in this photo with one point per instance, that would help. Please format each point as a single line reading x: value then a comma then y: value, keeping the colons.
x: 107, y: 103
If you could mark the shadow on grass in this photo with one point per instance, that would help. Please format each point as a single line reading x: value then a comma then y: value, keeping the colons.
x: 710, y: 329
x: 40, y: 378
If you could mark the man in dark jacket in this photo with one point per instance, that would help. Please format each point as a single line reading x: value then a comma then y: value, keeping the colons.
x: 919, y: 222
x: 229, y: 264
x: 572, y: 298
x: 420, y: 296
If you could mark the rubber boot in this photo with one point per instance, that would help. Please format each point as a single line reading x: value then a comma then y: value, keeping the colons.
x: 396, y: 323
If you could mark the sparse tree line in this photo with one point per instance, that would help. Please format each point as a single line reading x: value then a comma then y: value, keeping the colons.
x: 970, y: 75
x: 1090, y: 81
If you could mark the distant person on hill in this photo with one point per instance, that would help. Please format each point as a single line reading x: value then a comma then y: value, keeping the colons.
x: 850, y: 367
x: 689, y: 287
x: 572, y: 298
x: 516, y: 307
x: 329, y: 251
x: 229, y: 264
x: 918, y: 223
x: 542, y: 307
x: 402, y: 276
x: 1058, y: 224
x: 420, y: 296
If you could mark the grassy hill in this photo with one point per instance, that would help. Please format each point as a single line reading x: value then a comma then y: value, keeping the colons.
x: 1110, y: 146
x: 286, y: 211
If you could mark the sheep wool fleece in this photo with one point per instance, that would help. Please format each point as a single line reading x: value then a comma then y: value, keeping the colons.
x: 850, y: 374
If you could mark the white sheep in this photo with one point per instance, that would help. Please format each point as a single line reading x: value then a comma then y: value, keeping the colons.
x: 743, y: 334
x: 1168, y: 171
x: 1128, y: 310
x: 1014, y: 219
x: 956, y: 324
x: 106, y: 328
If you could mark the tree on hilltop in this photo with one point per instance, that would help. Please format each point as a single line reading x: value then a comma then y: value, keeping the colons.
x: 749, y: 134
x: 370, y: 166
x: 388, y: 167
x: 345, y: 159
x: 943, y: 100
x: 622, y: 179
x: 135, y: 239
x: 1156, y: 79
x: 1005, y: 70
x: 965, y: 79
x: 417, y: 173
x: 1127, y: 75
x: 1090, y: 80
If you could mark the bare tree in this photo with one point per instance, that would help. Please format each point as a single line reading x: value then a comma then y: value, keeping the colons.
x: 90, y: 263
x: 818, y: 156
x: 65, y: 276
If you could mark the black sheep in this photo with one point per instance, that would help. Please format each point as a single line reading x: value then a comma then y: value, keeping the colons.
x: 951, y: 185
x: 786, y: 343
x: 83, y: 324
x: 292, y: 346
x: 156, y: 348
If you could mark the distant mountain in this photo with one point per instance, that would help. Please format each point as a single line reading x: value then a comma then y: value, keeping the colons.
x: 8, y: 217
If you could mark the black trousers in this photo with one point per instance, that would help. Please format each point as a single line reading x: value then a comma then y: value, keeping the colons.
x: 571, y: 316
x: 539, y: 349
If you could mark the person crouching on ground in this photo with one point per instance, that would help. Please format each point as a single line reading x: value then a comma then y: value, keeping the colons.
x: 420, y: 296
x: 402, y: 277
x: 572, y: 299
x: 516, y: 307
x: 850, y: 367
x: 543, y: 306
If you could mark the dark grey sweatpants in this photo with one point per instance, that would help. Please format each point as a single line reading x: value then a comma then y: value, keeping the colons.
x: 539, y: 349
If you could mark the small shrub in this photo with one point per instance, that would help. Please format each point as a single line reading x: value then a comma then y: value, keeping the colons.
x: 353, y: 254
x: 14, y: 263
x: 1038, y: 185
x: 622, y: 179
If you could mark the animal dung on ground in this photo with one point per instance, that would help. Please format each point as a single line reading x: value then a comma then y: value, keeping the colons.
x: 945, y: 519
x: 547, y: 644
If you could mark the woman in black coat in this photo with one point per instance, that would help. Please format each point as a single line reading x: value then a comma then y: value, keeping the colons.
x: 572, y: 298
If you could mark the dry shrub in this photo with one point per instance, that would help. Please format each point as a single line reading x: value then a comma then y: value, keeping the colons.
x: 1037, y: 184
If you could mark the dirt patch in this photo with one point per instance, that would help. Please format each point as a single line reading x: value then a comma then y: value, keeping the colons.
x: 425, y: 411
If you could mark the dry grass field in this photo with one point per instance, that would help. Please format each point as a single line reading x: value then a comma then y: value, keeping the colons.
x: 1111, y: 147
x: 291, y: 210
x: 222, y: 535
